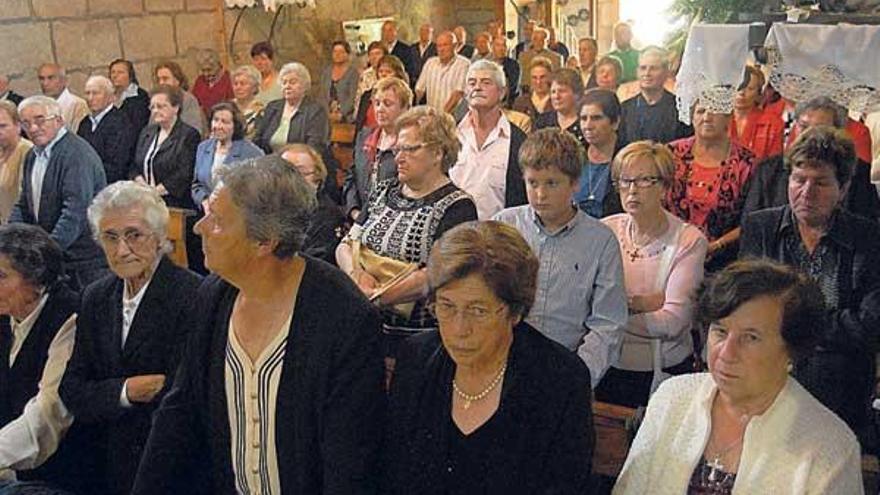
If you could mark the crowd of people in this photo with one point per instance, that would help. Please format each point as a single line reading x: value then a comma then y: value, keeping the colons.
x: 522, y: 232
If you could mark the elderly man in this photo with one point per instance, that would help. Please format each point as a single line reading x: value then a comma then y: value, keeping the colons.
x: 511, y: 67
x: 6, y: 93
x: 625, y: 52
x: 538, y: 48
x: 53, y: 83
x: 487, y: 166
x: 130, y: 331
x: 398, y: 48
x: 580, y: 301
x: 62, y: 173
x: 461, y: 46
x: 523, y: 45
x: 108, y: 129
x: 281, y: 388
x: 423, y: 50
x: 769, y: 187
x: 587, y: 52
x: 652, y: 114
x: 482, y: 48
x: 443, y: 76
x: 841, y: 252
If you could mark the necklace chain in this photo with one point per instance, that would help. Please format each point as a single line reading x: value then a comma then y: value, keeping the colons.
x: 468, y: 398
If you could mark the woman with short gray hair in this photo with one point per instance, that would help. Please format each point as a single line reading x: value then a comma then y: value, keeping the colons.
x: 131, y: 329
x: 246, y: 81
x: 213, y: 84
x: 296, y: 118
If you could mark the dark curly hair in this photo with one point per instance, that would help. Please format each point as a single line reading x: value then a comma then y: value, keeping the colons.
x: 32, y: 253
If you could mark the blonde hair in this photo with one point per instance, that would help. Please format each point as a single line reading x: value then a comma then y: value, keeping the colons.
x: 320, y: 166
x: 398, y: 87
x: 10, y: 172
x: 657, y: 153
x: 435, y: 127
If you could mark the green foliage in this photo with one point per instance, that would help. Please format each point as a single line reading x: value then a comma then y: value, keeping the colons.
x: 707, y: 11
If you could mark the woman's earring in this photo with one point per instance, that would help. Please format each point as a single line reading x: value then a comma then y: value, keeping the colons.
x: 789, y: 367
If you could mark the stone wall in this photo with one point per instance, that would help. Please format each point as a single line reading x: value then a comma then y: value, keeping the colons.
x: 84, y: 35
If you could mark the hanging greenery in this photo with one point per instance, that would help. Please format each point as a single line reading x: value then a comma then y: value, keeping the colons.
x: 689, y: 12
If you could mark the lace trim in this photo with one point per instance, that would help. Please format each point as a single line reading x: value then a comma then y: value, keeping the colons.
x: 828, y: 80
x: 693, y: 87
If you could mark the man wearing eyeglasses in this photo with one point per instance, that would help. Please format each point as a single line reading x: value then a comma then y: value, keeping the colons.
x: 580, y: 302
x: 62, y: 173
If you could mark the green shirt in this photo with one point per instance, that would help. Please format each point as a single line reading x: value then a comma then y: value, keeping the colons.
x: 630, y: 60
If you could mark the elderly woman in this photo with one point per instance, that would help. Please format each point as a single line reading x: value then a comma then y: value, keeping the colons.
x: 37, y: 321
x: 338, y: 83
x: 746, y: 426
x: 386, y: 250
x: 296, y: 118
x: 263, y: 58
x: 246, y: 89
x: 487, y: 404
x: 536, y: 100
x: 131, y: 99
x: 286, y: 337
x: 373, y: 158
x: 712, y: 177
x: 758, y: 130
x: 599, y: 115
x: 608, y: 73
x: 226, y: 145
x: 365, y: 121
x: 13, y: 149
x: 816, y: 234
x: 327, y: 223
x: 169, y: 73
x: 130, y: 330
x: 165, y: 153
x: 375, y: 51
x: 662, y: 265
x: 566, y: 89
x: 213, y: 84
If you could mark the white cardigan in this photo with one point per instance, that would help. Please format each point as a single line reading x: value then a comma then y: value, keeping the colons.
x: 796, y: 447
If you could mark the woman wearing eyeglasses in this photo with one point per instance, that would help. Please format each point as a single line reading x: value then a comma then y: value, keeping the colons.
x: 130, y: 332
x: 663, y: 266
x: 387, y: 248
x: 487, y: 404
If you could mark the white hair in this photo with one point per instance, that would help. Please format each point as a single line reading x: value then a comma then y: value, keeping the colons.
x: 125, y: 195
x: 49, y: 105
x: 102, y: 82
x: 297, y: 69
x: 497, y: 72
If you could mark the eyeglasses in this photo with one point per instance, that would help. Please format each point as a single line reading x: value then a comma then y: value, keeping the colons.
x: 412, y: 148
x: 639, y: 182
x: 133, y: 238
x: 473, y: 314
x: 38, y: 121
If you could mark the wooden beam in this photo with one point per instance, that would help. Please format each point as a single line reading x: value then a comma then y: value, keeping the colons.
x: 220, y: 13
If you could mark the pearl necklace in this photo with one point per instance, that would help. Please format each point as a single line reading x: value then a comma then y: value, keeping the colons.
x: 467, y: 398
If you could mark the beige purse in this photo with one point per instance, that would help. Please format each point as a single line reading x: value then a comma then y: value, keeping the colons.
x: 388, y: 272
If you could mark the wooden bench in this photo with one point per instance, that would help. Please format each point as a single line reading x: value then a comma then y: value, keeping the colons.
x: 177, y: 235
x: 342, y: 138
x: 614, y: 432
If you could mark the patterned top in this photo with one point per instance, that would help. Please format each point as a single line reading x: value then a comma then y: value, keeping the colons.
x: 711, y: 199
x: 709, y: 478
x: 405, y: 229
x: 822, y: 265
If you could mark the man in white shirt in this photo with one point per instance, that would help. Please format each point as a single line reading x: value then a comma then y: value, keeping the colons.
x: 443, y: 76
x: 487, y: 166
x: 53, y: 83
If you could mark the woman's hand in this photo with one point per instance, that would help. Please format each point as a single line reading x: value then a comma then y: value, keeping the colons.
x: 646, y: 303
x: 160, y: 188
x: 365, y: 282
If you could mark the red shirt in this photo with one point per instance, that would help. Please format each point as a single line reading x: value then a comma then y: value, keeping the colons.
x: 762, y: 134
x: 208, y: 95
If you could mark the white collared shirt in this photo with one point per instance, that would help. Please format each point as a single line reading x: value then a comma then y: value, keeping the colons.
x: 481, y: 171
x: 96, y: 119
x: 31, y: 438
x: 73, y: 109
x: 42, y: 155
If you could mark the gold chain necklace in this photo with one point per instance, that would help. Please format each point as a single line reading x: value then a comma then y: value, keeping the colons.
x: 467, y: 398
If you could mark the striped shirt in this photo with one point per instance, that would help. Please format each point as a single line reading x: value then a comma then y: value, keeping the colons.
x: 438, y: 81
x: 251, y: 395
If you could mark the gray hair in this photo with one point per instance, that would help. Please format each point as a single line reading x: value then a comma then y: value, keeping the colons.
x: 250, y: 72
x: 207, y: 56
x: 497, y: 72
x: 297, y: 69
x: 660, y: 53
x: 61, y: 72
x: 50, y: 105
x: 275, y: 200
x: 103, y: 82
x: 126, y: 195
x: 823, y: 103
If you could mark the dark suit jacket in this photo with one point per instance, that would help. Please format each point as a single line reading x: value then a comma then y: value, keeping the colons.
x: 514, y: 185
x: 511, y: 72
x: 137, y: 110
x: 841, y: 372
x: 73, y: 177
x: 113, y: 140
x: 100, y: 364
x: 419, y: 60
x: 310, y: 125
x: 173, y: 164
x: 545, y: 420
x: 770, y: 189
x: 330, y: 399
x: 404, y: 52
x: 14, y: 97
x: 467, y: 51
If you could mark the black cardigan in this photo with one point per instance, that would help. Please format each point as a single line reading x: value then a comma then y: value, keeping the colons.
x: 173, y: 164
x: 330, y: 399
x: 514, y: 185
x: 545, y: 412
x: 841, y: 372
x: 100, y: 364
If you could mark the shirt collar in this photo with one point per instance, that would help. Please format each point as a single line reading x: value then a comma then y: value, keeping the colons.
x: 25, y: 325
x: 500, y: 131
x: 129, y: 92
x: 47, y: 150
x: 568, y: 227
x: 837, y: 231
x: 136, y: 299
x: 96, y: 119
